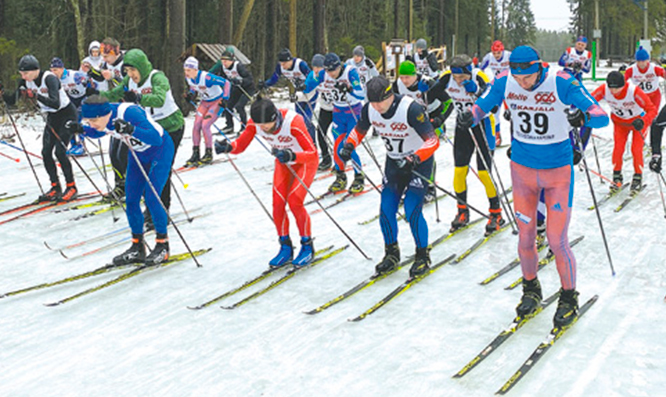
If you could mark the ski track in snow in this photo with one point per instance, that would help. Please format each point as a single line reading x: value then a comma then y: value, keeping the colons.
x: 138, y: 337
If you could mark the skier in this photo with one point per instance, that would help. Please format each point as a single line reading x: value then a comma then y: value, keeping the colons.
x: 541, y: 159
x: 150, y: 89
x: 74, y: 83
x: 296, y: 71
x: 94, y: 58
x: 212, y: 89
x: 426, y: 62
x: 325, y: 117
x: 437, y: 104
x: 465, y: 84
x: 154, y: 149
x: 410, y: 145
x: 365, y: 67
x: 497, y: 60
x: 242, y: 87
x: 45, y: 87
x: 347, y: 93
x: 656, y: 135
x: 295, y: 152
x: 631, y: 110
x: 577, y: 60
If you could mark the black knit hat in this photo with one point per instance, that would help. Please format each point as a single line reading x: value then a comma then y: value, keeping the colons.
x: 263, y: 111
x: 615, y: 80
x: 378, y: 89
x: 284, y: 55
x: 28, y: 62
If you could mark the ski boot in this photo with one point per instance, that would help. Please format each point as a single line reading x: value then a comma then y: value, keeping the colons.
x: 531, y: 299
x: 461, y: 219
x: 340, y: 182
x: 541, y: 232
x: 208, y: 157
x: 567, y: 308
x: 194, y: 160
x: 325, y: 163
x: 135, y: 254
x: 160, y: 252
x: 70, y: 193
x: 285, y: 255
x: 617, y: 182
x: 306, y: 255
x: 75, y: 150
x: 118, y: 193
x: 358, y: 184
x: 390, y: 261
x: 430, y: 194
x: 495, y: 222
x: 52, y: 195
x: 636, y: 183
x: 421, y: 263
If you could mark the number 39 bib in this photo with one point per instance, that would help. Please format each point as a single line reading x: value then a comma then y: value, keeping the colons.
x: 538, y: 117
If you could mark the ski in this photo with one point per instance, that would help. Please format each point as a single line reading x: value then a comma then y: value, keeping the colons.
x: 324, y: 195
x: 93, y: 213
x: 134, y: 272
x: 331, y: 173
x: 378, y: 276
x: 44, y: 204
x: 194, y: 167
x: 290, y: 273
x: 609, y: 196
x: 511, y: 265
x: 342, y: 199
x: 554, y: 335
x: 11, y: 197
x: 413, y: 280
x: 517, y: 323
x: 249, y: 283
x: 632, y: 195
x: 543, y: 262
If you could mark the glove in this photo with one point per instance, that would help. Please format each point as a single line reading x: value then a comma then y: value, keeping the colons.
x: 622, y: 68
x: 342, y: 87
x: 577, y: 156
x: 26, y: 93
x: 123, y: 127
x: 470, y: 86
x: 131, y: 96
x: 577, y: 118
x: 293, y: 98
x: 409, y: 163
x: 236, y: 81
x: 299, y: 85
x: 507, y: 115
x: 90, y: 91
x: 423, y: 85
x: 508, y: 152
x: 284, y: 155
x: 638, y: 124
x: 465, y: 119
x: 261, y: 84
x: 346, y: 151
x: 190, y: 96
x: 223, y: 147
x: 577, y: 66
x: 74, y: 127
x: 655, y: 163
x: 436, y: 122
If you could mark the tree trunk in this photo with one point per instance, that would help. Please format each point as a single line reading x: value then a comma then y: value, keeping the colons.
x: 80, y: 34
x: 175, y: 35
x: 396, y: 19
x: 293, y: 7
x: 243, y: 21
x: 319, y: 26
x: 226, y: 21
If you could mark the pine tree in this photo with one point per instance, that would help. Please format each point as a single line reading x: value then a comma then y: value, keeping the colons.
x: 520, y: 25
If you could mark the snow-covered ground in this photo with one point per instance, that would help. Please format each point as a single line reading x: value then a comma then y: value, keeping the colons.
x: 138, y: 338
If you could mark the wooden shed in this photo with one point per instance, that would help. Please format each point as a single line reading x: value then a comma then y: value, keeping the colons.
x: 208, y: 54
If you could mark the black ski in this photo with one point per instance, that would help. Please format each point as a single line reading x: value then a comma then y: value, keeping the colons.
x: 609, y: 196
x: 511, y: 265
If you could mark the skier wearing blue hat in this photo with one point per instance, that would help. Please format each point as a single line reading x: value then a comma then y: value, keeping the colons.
x: 541, y: 159
x: 577, y: 60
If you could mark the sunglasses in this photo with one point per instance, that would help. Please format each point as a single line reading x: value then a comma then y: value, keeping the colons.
x: 522, y: 65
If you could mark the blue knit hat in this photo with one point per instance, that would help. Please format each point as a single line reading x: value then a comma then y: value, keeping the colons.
x: 642, y: 54
x: 581, y: 39
x: 524, y: 60
x: 95, y: 106
x: 57, y: 63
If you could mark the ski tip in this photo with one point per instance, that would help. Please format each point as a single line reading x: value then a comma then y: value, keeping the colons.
x: 227, y: 307
x: 309, y: 312
x: 47, y: 246
x: 52, y: 304
x: 195, y: 307
x: 5, y: 295
x: 355, y: 319
x: 63, y: 254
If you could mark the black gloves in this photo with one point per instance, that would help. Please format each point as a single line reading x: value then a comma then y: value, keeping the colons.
x: 465, y: 119
x: 436, y: 122
x: 190, y: 96
x: 74, y: 127
x: 638, y: 124
x: 342, y: 87
x: 90, y: 91
x: 346, y: 151
x: 131, y: 96
x: 284, y: 155
x: 508, y: 152
x: 655, y: 163
x: 223, y: 146
x: 577, y: 156
x: 123, y: 127
x: 507, y: 115
x: 577, y: 118
x: 261, y: 85
x: 408, y: 163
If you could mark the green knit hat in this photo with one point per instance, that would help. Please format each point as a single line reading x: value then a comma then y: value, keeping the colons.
x: 407, y: 68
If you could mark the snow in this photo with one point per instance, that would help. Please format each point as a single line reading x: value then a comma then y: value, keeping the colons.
x: 138, y: 337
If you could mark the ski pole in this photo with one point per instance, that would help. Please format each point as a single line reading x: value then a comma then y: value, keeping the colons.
x: 182, y: 204
x: 24, y: 149
x: 243, y: 177
x: 661, y: 191
x: 596, y: 156
x: 159, y: 200
x: 367, y: 147
x: 10, y: 157
x: 426, y: 179
x: 19, y: 149
x: 103, y: 174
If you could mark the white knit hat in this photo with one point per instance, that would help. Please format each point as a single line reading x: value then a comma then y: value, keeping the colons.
x: 191, y: 63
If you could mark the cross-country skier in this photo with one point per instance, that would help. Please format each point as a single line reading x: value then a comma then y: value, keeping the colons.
x: 45, y: 87
x: 132, y: 125
x: 497, y: 60
x: 325, y: 117
x: 242, y: 87
x: 294, y: 151
x: 364, y: 65
x: 410, y: 145
x: 577, y: 60
x: 541, y: 158
x: 211, y: 89
x: 631, y: 111
x: 74, y: 83
x: 426, y: 62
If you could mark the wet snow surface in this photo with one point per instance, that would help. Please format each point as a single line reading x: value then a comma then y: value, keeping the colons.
x: 138, y: 337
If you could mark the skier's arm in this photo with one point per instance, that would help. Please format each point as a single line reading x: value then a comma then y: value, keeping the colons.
x: 157, y: 96
x: 644, y: 102
x: 53, y: 98
x: 599, y: 93
x: 587, y: 65
x: 11, y: 98
x: 243, y: 141
x: 564, y: 60
x: 116, y: 93
x: 213, y: 80
x: 217, y: 68
x: 485, y: 62
x: 300, y: 132
x: 372, y: 69
x: 275, y: 77
x: 144, y: 129
x: 491, y: 98
x: 244, y: 73
x: 312, y: 81
x: 571, y: 92
x: 361, y: 129
x: 357, y: 88
x: 417, y: 119
x: 432, y: 62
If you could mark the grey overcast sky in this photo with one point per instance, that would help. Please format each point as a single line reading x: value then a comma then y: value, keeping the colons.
x: 551, y: 14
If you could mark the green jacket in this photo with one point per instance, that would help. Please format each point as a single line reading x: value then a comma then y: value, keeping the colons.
x: 138, y: 59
